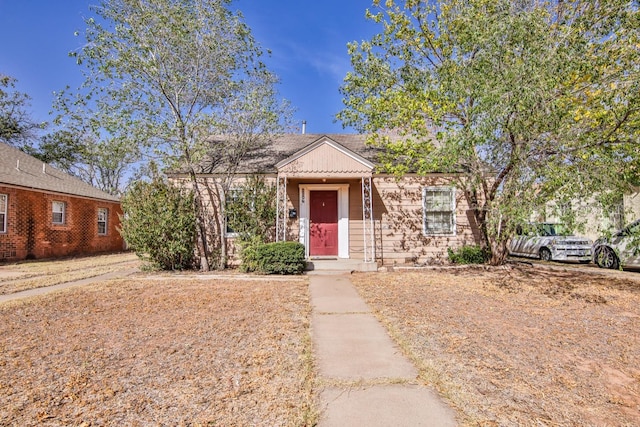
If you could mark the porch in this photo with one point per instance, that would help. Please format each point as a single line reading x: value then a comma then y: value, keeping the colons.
x: 339, y: 265
x: 324, y: 201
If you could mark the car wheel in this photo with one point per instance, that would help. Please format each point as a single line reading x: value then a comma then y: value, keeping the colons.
x: 607, y: 258
x: 545, y: 254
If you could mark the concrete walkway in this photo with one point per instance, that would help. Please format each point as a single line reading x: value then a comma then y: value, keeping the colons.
x: 367, y: 381
x: 44, y: 290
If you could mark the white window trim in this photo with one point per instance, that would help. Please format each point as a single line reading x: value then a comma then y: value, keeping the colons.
x: 229, y: 234
x: 343, y: 215
x: 106, y: 221
x: 4, y: 213
x: 63, y: 212
x: 454, y: 227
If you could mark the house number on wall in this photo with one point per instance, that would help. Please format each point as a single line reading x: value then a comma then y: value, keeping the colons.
x: 302, y: 195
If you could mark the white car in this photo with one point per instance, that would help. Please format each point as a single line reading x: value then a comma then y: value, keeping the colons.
x: 548, y: 242
x: 622, y: 249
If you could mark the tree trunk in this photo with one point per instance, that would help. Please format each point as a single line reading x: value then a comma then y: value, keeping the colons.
x: 201, y: 240
x: 498, y: 252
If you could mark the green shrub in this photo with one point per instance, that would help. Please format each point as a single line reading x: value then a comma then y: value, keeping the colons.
x: 249, y: 255
x: 159, y: 224
x: 468, y: 255
x: 251, y: 210
x: 278, y: 258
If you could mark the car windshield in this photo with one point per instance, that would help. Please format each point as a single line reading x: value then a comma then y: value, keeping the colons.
x: 547, y: 229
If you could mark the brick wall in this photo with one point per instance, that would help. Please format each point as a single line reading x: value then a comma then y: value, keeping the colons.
x: 30, y: 231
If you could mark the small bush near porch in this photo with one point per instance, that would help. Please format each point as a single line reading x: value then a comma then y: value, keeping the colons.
x: 468, y: 255
x: 274, y: 258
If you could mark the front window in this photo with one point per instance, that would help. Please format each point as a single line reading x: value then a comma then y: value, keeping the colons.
x: 439, y: 208
x: 102, y: 221
x: 3, y: 213
x: 232, y: 196
x: 58, y: 209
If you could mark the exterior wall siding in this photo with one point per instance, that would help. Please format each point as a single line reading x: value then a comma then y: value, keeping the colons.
x: 632, y: 207
x: 398, y: 216
x: 398, y: 213
x: 31, y: 234
x: 593, y: 221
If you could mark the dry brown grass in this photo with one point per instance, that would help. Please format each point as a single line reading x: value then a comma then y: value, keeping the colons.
x: 519, y: 346
x: 138, y: 352
x: 35, y: 274
x: 508, y: 346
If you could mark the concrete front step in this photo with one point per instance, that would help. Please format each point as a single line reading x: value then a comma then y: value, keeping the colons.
x: 340, y: 265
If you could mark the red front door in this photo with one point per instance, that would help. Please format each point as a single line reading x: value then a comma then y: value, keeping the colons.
x: 323, y: 224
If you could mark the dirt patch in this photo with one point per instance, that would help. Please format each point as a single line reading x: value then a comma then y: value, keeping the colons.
x: 519, y: 346
x: 159, y: 352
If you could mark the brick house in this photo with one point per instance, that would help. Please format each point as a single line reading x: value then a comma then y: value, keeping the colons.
x: 46, y: 213
x: 331, y: 198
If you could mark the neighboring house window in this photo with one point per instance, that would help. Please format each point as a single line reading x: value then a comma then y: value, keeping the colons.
x: 103, y: 214
x: 59, y: 209
x: 3, y: 213
x: 566, y: 211
x: 439, y: 209
x: 617, y: 215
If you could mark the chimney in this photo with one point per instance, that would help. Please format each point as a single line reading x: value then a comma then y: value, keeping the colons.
x: 304, y: 127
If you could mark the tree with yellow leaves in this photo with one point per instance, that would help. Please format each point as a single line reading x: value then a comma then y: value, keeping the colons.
x: 526, y: 102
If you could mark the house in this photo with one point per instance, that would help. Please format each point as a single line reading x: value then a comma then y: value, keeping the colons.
x: 45, y: 213
x: 593, y: 220
x: 331, y: 198
x: 598, y: 222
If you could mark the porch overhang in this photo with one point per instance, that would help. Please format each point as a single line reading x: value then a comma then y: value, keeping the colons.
x: 325, y: 175
x: 325, y: 159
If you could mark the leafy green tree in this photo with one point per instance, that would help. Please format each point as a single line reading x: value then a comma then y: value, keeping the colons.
x: 172, y: 74
x: 159, y: 224
x: 105, y: 164
x: 251, y: 210
x: 523, y: 101
x: 60, y: 149
x: 79, y: 147
x: 16, y: 126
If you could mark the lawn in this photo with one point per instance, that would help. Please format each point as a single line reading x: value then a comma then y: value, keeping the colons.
x: 523, y: 346
x: 159, y: 351
x: 25, y: 275
x: 509, y: 346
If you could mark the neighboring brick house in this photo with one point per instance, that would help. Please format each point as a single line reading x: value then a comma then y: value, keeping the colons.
x: 46, y: 213
x: 332, y: 199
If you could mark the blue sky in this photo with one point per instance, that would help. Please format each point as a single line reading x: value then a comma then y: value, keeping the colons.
x: 307, y: 38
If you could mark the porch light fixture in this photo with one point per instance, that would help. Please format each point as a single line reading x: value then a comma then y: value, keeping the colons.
x: 293, y: 213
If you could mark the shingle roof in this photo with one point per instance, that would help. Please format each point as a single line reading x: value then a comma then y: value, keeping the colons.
x: 285, y: 146
x: 22, y: 170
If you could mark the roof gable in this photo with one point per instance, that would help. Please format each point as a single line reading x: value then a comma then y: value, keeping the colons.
x: 325, y: 157
x: 280, y: 148
x: 22, y: 170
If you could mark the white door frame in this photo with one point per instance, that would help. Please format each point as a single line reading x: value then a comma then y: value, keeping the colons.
x: 343, y: 215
